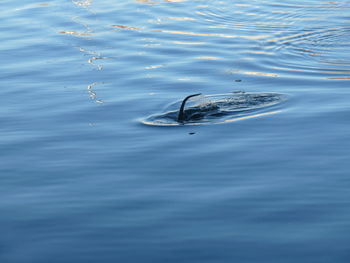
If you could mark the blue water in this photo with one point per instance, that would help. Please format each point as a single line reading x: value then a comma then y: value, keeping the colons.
x: 82, y: 179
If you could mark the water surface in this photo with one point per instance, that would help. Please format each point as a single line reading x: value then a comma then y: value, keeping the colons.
x: 83, y: 180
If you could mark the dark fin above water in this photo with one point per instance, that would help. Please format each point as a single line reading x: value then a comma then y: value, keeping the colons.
x: 181, y: 116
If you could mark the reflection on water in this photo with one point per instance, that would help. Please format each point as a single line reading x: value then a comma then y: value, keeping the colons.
x: 84, y: 3
x: 30, y: 6
x: 76, y: 33
x: 126, y: 27
x: 92, y: 62
x: 88, y: 32
x: 252, y: 73
x: 92, y: 93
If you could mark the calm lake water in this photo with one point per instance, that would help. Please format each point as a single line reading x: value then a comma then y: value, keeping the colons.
x: 83, y: 179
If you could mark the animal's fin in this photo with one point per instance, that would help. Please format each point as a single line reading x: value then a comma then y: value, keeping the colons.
x: 181, y: 116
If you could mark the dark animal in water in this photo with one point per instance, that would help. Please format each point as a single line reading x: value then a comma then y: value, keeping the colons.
x: 217, y: 108
x: 240, y: 102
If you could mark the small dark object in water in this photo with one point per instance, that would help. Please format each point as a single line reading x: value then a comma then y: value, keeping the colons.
x: 238, y: 80
x: 181, y: 116
x: 191, y: 133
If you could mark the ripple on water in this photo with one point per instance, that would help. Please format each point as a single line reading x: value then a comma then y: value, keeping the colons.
x: 222, y: 39
x: 280, y: 39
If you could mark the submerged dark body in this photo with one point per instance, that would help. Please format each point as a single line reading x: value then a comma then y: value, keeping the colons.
x: 216, y: 108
